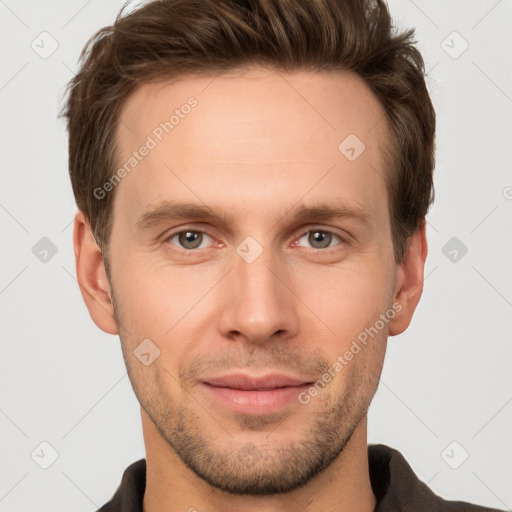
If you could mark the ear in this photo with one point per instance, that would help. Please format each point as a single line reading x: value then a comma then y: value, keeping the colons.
x: 92, y: 277
x: 409, y: 281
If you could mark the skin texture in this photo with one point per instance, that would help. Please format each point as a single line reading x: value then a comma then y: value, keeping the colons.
x: 257, y: 144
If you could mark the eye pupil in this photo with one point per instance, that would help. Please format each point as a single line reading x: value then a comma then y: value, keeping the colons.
x: 190, y: 239
x: 321, y: 237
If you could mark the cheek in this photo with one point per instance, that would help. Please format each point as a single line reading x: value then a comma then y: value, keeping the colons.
x: 346, y: 298
x: 160, y: 302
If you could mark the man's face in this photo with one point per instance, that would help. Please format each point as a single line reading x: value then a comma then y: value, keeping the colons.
x: 254, y: 290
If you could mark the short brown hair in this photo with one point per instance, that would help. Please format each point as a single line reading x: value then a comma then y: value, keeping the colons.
x: 173, y: 38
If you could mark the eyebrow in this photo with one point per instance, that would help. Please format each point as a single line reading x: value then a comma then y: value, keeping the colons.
x: 174, y: 210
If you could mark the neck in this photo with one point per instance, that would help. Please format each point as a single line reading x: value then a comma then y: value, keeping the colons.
x: 171, y: 486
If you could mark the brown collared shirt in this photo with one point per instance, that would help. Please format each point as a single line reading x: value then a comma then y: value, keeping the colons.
x: 394, y: 484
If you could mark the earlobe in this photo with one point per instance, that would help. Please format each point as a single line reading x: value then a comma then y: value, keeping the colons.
x: 92, y: 277
x: 409, y: 281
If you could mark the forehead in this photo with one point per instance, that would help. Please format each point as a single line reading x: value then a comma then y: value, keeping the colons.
x: 329, y: 104
x: 256, y: 135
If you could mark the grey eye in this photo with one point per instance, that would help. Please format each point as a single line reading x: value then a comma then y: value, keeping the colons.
x: 319, y: 239
x: 189, y: 239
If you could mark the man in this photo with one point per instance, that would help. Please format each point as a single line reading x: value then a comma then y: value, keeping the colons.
x: 252, y: 181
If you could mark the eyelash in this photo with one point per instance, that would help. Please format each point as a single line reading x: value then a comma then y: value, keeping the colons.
x: 304, y: 233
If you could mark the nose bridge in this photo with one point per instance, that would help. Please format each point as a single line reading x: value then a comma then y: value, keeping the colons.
x: 258, y: 304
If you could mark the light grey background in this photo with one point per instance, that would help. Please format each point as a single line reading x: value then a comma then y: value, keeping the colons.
x: 448, y: 378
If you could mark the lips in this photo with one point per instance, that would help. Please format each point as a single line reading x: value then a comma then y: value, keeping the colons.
x: 254, y: 383
x: 253, y: 394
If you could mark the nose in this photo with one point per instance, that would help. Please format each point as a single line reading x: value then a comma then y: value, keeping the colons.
x: 257, y: 304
